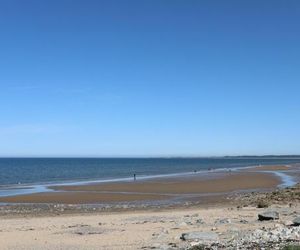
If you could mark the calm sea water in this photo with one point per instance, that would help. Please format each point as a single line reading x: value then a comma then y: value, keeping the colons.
x: 48, y: 170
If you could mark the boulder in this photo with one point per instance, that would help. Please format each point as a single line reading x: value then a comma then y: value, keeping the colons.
x: 296, y: 221
x: 268, y: 215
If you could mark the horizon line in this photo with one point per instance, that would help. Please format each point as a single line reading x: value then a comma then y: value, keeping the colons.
x: 152, y: 156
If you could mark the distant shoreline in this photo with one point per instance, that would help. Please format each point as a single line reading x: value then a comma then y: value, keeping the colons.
x: 154, y: 157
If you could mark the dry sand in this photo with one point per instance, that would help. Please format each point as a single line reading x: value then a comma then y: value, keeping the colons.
x: 134, y: 230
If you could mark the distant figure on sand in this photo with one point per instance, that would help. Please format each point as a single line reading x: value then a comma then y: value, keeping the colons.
x: 134, y: 177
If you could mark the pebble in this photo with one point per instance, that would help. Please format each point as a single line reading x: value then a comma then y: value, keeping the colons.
x: 223, y: 221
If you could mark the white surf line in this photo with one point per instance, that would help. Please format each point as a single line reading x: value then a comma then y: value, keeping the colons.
x: 286, y: 180
x: 25, y: 190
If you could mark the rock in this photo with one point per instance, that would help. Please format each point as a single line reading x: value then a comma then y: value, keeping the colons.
x: 88, y: 231
x: 188, y: 221
x: 200, y: 236
x: 262, y: 204
x: 171, y: 244
x: 161, y: 246
x: 199, y: 221
x: 268, y: 215
x: 182, y: 224
x: 280, y: 234
x: 223, y: 221
x: 194, y: 243
x: 289, y: 223
x: 296, y: 221
x: 199, y: 247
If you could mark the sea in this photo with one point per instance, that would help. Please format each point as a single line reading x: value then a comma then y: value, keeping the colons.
x: 16, y: 171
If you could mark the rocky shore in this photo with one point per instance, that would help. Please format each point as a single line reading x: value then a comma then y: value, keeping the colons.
x: 277, y: 225
x: 289, y: 195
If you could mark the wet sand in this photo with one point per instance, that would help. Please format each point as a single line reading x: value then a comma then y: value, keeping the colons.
x: 226, y: 183
x: 151, y: 190
x: 79, y: 198
x: 270, y: 168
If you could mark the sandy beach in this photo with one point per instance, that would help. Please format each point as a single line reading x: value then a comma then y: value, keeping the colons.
x: 138, y: 230
x: 218, y: 211
x: 232, y: 224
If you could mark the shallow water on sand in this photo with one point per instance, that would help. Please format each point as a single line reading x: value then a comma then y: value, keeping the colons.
x: 32, y: 175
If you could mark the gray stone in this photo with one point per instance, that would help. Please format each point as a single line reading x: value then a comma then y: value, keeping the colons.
x: 88, y: 231
x: 223, y: 221
x: 268, y: 215
x: 182, y: 224
x: 199, y: 221
x: 161, y: 246
x: 296, y: 221
x: 200, y: 236
x: 188, y: 221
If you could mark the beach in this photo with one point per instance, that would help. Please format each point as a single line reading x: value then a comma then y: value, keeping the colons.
x: 230, y: 224
x: 169, y: 189
x: 219, y: 210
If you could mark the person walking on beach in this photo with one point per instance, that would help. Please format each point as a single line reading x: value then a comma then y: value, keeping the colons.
x: 134, y: 177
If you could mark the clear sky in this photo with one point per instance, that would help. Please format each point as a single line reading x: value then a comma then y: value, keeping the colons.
x: 149, y: 78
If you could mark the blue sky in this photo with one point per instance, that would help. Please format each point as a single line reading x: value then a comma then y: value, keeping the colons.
x: 149, y: 78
